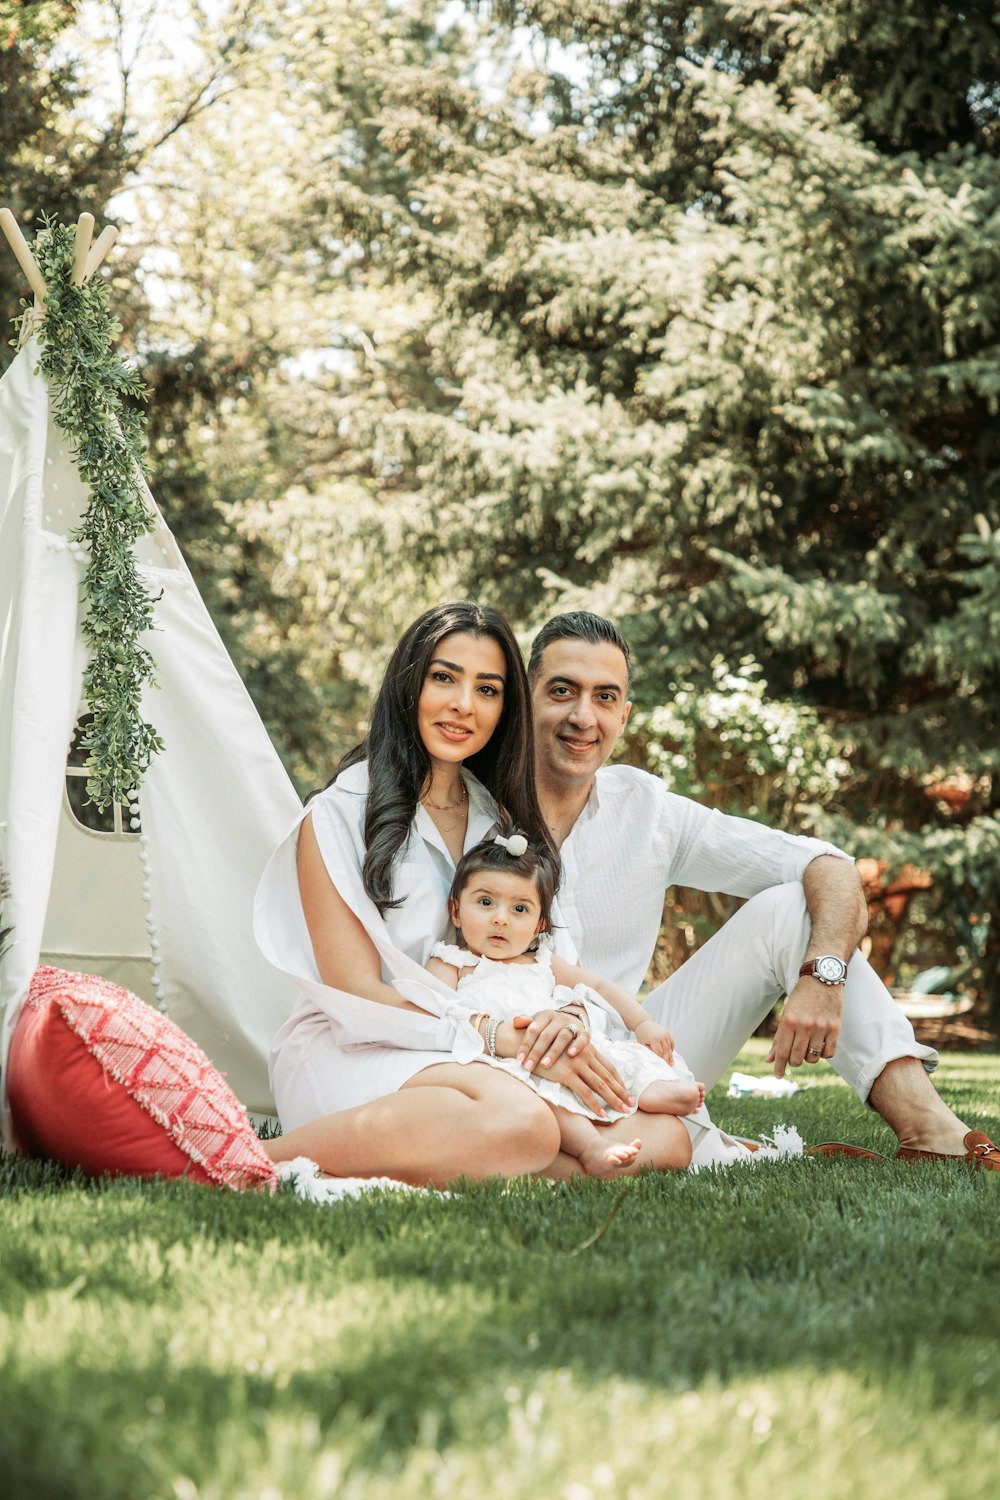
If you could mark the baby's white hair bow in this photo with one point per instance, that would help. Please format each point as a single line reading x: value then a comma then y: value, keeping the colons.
x: 515, y: 845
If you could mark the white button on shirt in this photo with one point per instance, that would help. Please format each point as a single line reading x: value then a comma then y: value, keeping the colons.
x: 633, y: 840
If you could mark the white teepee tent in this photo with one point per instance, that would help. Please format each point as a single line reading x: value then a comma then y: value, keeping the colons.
x: 164, y: 908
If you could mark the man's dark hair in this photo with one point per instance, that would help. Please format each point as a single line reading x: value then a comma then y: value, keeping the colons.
x: 578, y: 625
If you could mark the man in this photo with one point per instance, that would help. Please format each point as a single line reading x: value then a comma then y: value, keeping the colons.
x: 624, y: 839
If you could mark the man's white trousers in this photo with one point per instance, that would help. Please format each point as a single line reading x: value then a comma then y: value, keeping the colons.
x: 721, y: 994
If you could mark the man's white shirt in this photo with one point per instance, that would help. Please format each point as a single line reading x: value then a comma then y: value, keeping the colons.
x: 632, y: 840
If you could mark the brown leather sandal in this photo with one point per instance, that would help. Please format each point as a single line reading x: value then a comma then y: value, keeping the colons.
x: 980, y: 1153
x: 841, y: 1148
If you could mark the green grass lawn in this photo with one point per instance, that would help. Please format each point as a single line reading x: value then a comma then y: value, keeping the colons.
x: 816, y: 1329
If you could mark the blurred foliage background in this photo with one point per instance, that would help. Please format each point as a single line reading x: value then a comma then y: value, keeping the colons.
x: 689, y: 314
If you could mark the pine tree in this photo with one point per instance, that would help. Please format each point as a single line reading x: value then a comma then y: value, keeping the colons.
x: 714, y: 344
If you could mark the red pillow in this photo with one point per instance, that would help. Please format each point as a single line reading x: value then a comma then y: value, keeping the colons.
x: 100, y: 1080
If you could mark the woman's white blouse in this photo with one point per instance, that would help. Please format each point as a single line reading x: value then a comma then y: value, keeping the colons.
x: 422, y: 875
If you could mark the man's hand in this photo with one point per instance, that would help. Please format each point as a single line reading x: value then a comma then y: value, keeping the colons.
x: 809, y: 1027
x: 657, y: 1038
x: 810, y: 1023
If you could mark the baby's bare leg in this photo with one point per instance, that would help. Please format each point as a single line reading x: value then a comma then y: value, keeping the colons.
x: 674, y: 1098
x: 598, y: 1155
x: 666, y: 1146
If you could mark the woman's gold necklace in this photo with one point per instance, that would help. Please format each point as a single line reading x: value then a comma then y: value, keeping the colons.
x: 445, y: 806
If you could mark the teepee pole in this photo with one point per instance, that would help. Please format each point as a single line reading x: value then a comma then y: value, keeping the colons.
x: 103, y: 244
x: 25, y: 259
x: 84, y: 231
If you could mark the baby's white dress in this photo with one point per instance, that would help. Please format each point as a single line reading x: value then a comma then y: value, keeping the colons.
x: 506, y: 990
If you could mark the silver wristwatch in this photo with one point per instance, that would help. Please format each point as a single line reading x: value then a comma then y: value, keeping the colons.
x: 827, y: 969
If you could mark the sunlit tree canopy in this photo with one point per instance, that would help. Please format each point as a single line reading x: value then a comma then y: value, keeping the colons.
x: 686, y: 313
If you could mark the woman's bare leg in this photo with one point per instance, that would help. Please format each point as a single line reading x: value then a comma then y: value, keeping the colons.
x: 564, y: 1167
x: 665, y: 1145
x: 448, y: 1121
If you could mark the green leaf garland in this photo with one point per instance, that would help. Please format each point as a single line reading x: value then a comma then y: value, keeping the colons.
x: 93, y: 391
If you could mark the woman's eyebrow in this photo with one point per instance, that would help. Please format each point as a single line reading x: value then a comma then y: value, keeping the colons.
x: 453, y: 666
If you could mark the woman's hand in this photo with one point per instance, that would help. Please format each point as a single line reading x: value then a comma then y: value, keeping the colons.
x: 547, y: 1035
x: 592, y: 1079
x: 657, y: 1038
x: 573, y: 1060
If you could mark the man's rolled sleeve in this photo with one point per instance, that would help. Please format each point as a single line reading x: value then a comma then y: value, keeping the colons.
x: 741, y: 857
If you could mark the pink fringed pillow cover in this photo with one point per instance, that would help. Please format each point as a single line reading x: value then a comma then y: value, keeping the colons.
x: 100, y: 1080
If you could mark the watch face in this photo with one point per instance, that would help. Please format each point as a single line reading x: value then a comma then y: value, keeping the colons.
x: 830, y: 969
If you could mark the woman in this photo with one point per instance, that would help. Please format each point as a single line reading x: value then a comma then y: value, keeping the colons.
x: 372, y: 1072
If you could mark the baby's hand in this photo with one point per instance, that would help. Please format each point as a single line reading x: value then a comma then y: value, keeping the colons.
x: 657, y: 1038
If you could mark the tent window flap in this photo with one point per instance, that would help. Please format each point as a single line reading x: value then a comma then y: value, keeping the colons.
x: 112, y: 820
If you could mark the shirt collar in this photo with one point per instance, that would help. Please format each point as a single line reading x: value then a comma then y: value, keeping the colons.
x: 482, y: 817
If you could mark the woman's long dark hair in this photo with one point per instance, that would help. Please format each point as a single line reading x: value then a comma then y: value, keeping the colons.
x: 398, y: 763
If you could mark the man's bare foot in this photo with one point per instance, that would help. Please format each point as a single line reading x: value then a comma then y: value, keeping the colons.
x: 678, y: 1098
x: 911, y: 1106
x: 600, y: 1160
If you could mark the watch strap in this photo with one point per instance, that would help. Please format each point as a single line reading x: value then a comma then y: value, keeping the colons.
x: 811, y: 969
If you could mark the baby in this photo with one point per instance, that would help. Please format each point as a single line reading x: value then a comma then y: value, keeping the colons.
x: 500, y: 903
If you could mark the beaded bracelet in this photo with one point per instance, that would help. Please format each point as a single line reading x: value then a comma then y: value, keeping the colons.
x: 488, y: 1032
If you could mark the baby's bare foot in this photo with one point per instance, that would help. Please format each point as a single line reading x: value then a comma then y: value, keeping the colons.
x: 680, y: 1098
x: 600, y: 1160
